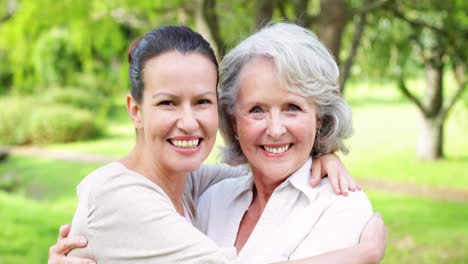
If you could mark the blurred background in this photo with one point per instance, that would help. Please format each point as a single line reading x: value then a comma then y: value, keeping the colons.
x: 63, y: 82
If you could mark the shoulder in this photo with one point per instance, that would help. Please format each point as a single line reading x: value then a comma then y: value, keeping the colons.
x: 113, y: 187
x: 101, y: 176
x: 222, y: 195
x: 227, y: 188
x: 356, y: 200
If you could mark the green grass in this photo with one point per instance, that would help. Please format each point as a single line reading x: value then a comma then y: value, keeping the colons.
x: 43, y: 179
x: 423, y: 231
x: 29, y: 228
x: 384, y: 147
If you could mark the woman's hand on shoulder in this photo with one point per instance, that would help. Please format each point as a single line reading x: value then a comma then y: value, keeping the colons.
x: 330, y: 165
x: 58, y: 252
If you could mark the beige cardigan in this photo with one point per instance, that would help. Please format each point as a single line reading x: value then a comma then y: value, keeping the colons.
x: 129, y: 219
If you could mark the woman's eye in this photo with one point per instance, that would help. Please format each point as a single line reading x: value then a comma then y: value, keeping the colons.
x: 166, y: 102
x: 256, y: 110
x: 293, y: 108
x: 204, y: 101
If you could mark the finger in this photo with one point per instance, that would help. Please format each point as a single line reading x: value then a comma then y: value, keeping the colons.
x: 64, y: 231
x: 74, y: 260
x: 71, y: 260
x: 352, y: 185
x: 65, y: 245
x: 316, y: 172
x: 344, y: 184
x: 332, y: 172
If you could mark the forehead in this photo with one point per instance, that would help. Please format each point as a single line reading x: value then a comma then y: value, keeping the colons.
x: 178, y: 71
x: 260, y: 77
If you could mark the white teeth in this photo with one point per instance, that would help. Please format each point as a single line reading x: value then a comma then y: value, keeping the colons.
x: 185, y: 143
x: 277, y: 150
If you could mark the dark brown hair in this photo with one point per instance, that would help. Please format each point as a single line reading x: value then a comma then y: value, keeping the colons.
x: 159, y: 41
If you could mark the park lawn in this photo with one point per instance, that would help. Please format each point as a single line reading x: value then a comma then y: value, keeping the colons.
x: 29, y: 228
x: 384, y: 147
x: 44, y: 179
x: 420, y: 230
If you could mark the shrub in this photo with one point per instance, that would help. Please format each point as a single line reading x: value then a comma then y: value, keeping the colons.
x: 80, y: 98
x: 31, y: 121
x: 61, y: 123
x: 13, y: 120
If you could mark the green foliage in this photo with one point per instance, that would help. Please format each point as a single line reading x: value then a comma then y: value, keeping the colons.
x: 14, y: 120
x: 393, y: 45
x: 27, y: 120
x: 61, y: 123
x: 55, y: 43
x: 80, y: 98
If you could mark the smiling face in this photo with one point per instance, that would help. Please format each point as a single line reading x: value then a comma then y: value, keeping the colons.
x: 276, y: 127
x: 177, y: 119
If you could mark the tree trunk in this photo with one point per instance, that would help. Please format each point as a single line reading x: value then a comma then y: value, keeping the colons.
x: 330, y: 24
x: 263, y: 12
x: 431, y: 137
x: 206, y: 23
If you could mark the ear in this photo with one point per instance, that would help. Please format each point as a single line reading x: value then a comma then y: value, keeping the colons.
x: 234, y: 126
x: 134, y: 111
x: 318, y: 122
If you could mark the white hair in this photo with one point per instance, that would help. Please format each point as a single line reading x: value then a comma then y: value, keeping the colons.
x: 304, y: 66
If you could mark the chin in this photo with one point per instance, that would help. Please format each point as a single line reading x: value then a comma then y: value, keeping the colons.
x: 189, y: 165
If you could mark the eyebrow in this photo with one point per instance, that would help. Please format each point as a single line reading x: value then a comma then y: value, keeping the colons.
x: 172, y: 95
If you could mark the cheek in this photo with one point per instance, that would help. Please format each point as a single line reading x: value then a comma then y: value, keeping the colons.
x: 306, y: 132
x: 158, y: 122
x: 209, y: 118
x: 250, y: 128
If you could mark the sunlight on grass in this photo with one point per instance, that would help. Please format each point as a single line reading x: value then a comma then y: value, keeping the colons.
x: 421, y: 230
x: 384, y: 147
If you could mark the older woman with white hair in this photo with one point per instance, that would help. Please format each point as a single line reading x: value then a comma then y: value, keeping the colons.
x: 281, y: 107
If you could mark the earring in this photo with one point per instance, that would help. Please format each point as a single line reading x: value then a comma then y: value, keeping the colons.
x: 236, y: 137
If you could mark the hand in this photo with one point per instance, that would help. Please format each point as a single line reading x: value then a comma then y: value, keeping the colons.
x: 331, y: 165
x: 58, y: 252
x: 374, y: 239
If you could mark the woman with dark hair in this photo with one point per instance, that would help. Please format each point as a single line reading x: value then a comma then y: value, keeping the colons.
x: 140, y: 209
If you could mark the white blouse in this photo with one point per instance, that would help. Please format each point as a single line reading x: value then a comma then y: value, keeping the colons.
x: 298, y: 221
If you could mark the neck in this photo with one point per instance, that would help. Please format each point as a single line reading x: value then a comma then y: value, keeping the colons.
x: 171, y: 182
x: 264, y: 187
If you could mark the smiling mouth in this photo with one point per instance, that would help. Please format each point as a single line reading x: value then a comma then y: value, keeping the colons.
x: 185, y: 144
x: 276, y: 150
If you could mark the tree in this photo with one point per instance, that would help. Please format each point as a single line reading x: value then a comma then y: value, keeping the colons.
x: 429, y: 35
x: 329, y: 20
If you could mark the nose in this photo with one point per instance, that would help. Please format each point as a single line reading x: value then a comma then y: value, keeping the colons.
x: 188, y: 121
x: 275, y: 126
